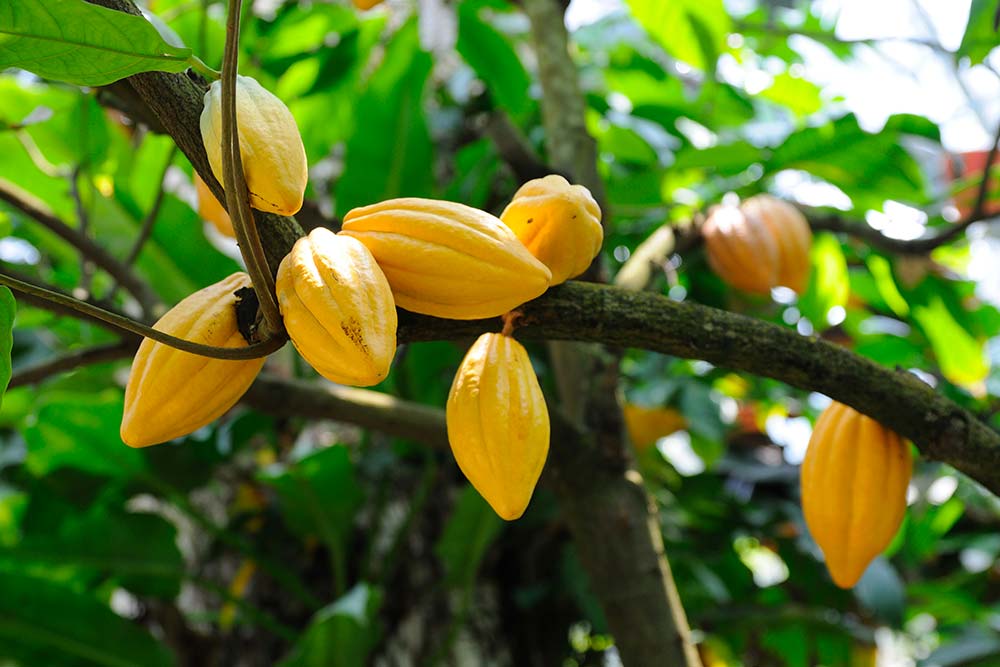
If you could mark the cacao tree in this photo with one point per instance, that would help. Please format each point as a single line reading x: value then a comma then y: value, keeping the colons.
x: 566, y: 287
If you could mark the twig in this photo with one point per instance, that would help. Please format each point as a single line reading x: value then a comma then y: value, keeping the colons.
x: 237, y: 196
x: 147, y: 224
x: 83, y: 226
x: 38, y: 211
x: 254, y: 351
x: 73, y: 360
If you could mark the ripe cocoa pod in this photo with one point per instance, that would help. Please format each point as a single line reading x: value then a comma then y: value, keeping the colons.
x: 854, y: 479
x: 647, y: 425
x: 498, y: 424
x: 741, y: 250
x: 559, y: 223
x: 274, y: 159
x: 792, y: 234
x: 171, y: 393
x: 210, y: 210
x: 366, y: 4
x: 338, y: 309
x: 447, y: 259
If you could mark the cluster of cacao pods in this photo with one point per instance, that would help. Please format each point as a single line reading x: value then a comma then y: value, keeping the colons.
x: 854, y: 480
x: 338, y: 292
x: 762, y: 243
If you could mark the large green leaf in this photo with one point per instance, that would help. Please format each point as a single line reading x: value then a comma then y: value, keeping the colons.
x: 690, y: 30
x: 341, y: 634
x: 493, y: 59
x: 43, y: 623
x: 980, y: 36
x: 81, y: 43
x: 829, y: 285
x: 468, y: 534
x: 390, y: 153
x: 7, y: 309
x: 961, y: 357
x: 318, y: 494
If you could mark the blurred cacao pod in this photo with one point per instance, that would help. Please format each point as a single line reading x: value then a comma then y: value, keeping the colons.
x: 498, y: 424
x: 274, y: 159
x: 447, y: 259
x: 210, y: 210
x: 366, y: 4
x: 741, y: 249
x: 647, y: 425
x: 559, y: 223
x: 171, y: 393
x: 338, y: 308
x: 792, y: 235
x: 854, y: 479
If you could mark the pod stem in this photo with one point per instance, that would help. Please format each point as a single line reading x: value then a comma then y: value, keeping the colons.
x: 235, y: 185
x: 510, y: 321
x: 257, y: 350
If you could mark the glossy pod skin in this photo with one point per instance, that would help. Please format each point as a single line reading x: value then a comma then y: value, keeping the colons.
x: 447, y: 259
x: 274, y: 159
x: 171, y: 393
x: 498, y: 424
x: 337, y: 308
x: 854, y: 479
x: 559, y: 223
x: 741, y: 250
x: 791, y: 233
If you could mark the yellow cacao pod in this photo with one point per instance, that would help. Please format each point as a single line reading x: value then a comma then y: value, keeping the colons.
x: 741, y: 250
x: 791, y: 233
x: 647, y: 425
x: 366, y: 4
x: 559, y: 223
x: 854, y: 479
x: 210, y: 210
x: 171, y: 393
x: 447, y: 259
x: 498, y: 424
x: 338, y: 308
x: 274, y: 159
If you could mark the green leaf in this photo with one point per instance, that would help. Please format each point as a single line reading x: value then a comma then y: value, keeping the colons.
x: 318, y: 494
x: 829, y: 284
x: 81, y: 43
x: 493, y: 58
x: 390, y: 153
x: 470, y: 531
x: 8, y: 307
x: 961, y: 357
x: 980, y: 37
x: 690, y: 30
x: 341, y: 634
x: 43, y: 623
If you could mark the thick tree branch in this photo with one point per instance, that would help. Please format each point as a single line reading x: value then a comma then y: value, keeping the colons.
x: 940, y: 428
x: 38, y: 211
x: 364, y: 407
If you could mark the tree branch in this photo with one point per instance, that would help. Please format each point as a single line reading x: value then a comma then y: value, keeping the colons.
x: 73, y: 360
x: 38, y: 211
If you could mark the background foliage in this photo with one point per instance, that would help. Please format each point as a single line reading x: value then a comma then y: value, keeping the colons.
x: 262, y: 540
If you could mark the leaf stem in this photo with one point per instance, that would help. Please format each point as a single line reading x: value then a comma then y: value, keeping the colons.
x: 257, y: 350
x: 199, y: 66
x: 234, y: 183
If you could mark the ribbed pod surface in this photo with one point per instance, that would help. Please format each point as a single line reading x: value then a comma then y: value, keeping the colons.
x: 447, y: 259
x: 741, y: 250
x: 559, y: 223
x: 854, y: 479
x: 498, y: 424
x: 791, y: 233
x: 338, y: 308
x: 274, y: 159
x: 171, y: 393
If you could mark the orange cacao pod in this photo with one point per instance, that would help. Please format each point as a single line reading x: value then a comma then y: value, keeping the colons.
x: 498, y: 424
x: 171, y: 393
x: 210, y: 210
x: 274, y: 159
x: 366, y: 4
x: 741, y: 250
x: 338, y: 308
x: 792, y: 234
x: 854, y: 479
x: 647, y: 425
x: 447, y: 259
x: 559, y: 223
